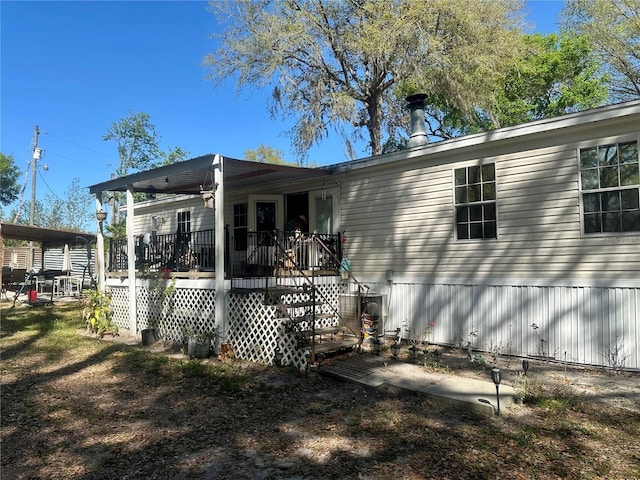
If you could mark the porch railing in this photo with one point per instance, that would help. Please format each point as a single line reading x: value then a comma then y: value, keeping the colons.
x: 262, y: 254
x: 175, y: 252
x: 268, y: 253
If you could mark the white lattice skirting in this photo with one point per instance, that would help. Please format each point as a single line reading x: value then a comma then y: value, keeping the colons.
x: 253, y: 327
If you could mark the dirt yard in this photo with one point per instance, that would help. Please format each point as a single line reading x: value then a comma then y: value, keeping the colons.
x: 74, y: 406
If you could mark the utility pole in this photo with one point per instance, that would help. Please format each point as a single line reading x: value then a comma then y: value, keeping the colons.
x: 32, y: 213
x: 34, y: 172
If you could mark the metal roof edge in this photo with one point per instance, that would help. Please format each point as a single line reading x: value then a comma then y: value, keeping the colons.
x: 536, y: 127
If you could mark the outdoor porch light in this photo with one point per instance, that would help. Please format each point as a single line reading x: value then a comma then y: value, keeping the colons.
x: 525, y: 366
x: 496, y: 377
x: 101, y: 215
x: 395, y: 349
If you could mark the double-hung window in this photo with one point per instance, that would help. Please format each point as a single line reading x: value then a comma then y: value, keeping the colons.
x: 610, y: 181
x: 475, y: 202
x: 240, y: 226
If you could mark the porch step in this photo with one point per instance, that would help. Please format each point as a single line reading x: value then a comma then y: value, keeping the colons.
x: 308, y: 303
x: 335, y: 346
x: 273, y: 296
x: 324, y: 331
x: 309, y: 317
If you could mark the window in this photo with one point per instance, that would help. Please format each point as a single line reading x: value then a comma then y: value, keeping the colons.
x: 609, y: 177
x: 475, y: 202
x: 240, y: 226
x: 184, y: 222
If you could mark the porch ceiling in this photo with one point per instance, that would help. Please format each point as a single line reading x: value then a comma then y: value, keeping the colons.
x: 186, y: 177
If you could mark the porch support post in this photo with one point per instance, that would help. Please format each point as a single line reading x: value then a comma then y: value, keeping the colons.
x: 220, y: 311
x: 102, y: 276
x: 131, y: 263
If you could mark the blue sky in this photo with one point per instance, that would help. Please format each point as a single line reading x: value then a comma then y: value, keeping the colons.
x: 75, y: 68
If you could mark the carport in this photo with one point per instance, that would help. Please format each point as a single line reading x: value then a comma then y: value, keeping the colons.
x: 47, y: 238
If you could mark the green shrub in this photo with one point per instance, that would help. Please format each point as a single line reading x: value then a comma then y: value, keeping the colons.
x: 97, y: 313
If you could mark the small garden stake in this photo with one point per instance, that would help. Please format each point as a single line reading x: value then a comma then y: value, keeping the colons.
x: 495, y: 376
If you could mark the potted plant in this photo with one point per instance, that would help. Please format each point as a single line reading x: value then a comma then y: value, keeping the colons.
x: 198, y: 345
x: 150, y: 334
x: 208, y: 196
x: 98, y: 315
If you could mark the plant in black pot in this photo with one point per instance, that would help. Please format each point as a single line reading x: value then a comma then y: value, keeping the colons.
x: 198, y: 344
x: 150, y: 334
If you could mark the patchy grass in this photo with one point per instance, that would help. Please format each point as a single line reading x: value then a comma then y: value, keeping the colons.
x: 74, y: 406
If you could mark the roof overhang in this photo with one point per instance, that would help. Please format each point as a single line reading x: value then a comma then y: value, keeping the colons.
x: 588, y: 119
x: 49, y: 238
x: 187, y: 177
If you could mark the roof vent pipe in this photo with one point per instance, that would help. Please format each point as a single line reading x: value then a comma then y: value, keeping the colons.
x: 415, y: 103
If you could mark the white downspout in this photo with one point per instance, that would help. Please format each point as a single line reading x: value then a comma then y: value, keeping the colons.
x: 131, y: 263
x: 220, y: 311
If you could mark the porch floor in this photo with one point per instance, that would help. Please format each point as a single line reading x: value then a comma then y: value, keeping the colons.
x: 376, y: 371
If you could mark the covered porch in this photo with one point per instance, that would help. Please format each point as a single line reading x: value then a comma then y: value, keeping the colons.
x: 222, y: 274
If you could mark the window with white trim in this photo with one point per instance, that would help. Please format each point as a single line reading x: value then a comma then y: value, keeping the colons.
x: 475, y: 202
x: 610, y: 183
x: 240, y: 223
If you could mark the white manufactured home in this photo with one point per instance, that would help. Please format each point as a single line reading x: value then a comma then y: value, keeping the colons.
x: 523, y: 240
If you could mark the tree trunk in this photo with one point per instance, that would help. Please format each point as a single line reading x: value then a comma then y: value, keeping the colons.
x: 374, y: 109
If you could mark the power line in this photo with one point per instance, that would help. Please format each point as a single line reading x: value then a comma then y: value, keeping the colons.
x: 79, y: 145
x: 47, y: 185
x: 54, y: 153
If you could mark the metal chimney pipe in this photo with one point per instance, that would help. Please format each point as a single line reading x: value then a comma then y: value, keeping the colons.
x: 415, y: 103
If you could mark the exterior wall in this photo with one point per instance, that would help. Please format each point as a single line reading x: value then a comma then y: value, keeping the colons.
x: 17, y: 256
x: 165, y: 212
x: 402, y: 218
x: 582, y: 291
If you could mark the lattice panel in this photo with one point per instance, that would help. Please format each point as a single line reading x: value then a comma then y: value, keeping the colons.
x: 255, y: 332
x: 120, y: 305
x: 191, y: 307
x: 185, y: 307
x: 253, y: 327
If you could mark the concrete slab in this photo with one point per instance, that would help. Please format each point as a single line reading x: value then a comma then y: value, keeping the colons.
x: 373, y: 371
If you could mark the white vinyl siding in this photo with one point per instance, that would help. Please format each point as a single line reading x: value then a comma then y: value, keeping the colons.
x: 398, y: 217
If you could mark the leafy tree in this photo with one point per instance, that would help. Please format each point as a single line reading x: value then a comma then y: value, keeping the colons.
x: 266, y: 154
x: 337, y: 63
x: 73, y: 212
x: 559, y: 74
x: 79, y: 204
x: 138, y: 149
x: 40, y: 214
x: 9, y: 175
x: 174, y: 155
x: 613, y: 27
x: 556, y: 75
x: 137, y: 142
